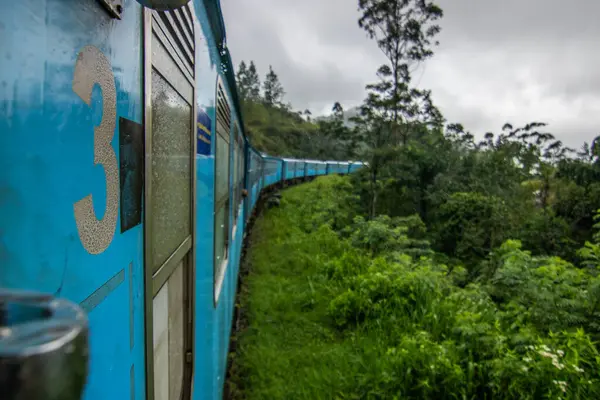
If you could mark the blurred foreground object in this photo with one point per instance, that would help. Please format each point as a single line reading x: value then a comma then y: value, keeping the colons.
x: 163, y: 5
x: 43, y: 347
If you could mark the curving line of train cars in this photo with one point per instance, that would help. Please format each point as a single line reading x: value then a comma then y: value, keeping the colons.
x: 127, y: 182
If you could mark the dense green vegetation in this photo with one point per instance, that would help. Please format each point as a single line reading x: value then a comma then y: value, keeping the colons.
x: 275, y: 128
x: 521, y: 183
x: 448, y: 267
x: 343, y: 307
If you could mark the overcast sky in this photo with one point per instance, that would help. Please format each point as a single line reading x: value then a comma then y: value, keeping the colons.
x: 498, y: 60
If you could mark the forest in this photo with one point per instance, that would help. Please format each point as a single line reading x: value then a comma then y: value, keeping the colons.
x: 449, y: 267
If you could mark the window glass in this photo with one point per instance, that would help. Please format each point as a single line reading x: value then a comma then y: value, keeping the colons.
x: 239, y: 168
x: 171, y: 170
x: 235, y: 177
x: 222, y: 169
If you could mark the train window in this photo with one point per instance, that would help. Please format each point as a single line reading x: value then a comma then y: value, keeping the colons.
x: 222, y: 169
x: 235, y: 173
x: 238, y: 171
x: 171, y: 170
x: 255, y: 168
x: 241, y: 167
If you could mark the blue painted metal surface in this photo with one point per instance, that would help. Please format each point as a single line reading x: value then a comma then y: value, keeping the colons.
x: 49, y: 156
x: 47, y: 163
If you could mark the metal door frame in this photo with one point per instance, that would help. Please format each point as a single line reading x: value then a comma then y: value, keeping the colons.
x: 186, y: 251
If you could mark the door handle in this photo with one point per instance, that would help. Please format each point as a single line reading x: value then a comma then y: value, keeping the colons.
x: 43, y: 347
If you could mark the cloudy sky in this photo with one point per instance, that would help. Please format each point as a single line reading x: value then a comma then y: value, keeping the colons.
x: 498, y: 61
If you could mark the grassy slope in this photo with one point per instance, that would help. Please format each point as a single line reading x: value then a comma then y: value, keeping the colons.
x: 289, y: 349
x: 405, y: 330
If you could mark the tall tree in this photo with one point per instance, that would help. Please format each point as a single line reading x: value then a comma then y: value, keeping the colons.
x: 248, y: 82
x: 337, y: 108
x: 308, y: 114
x: 336, y: 135
x: 337, y: 129
x: 253, y: 83
x: 273, y: 91
x: 242, y: 81
x: 403, y: 30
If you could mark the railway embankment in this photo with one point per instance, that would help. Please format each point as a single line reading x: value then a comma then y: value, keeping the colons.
x: 335, y: 306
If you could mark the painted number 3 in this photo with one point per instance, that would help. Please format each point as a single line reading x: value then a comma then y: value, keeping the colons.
x: 93, y: 68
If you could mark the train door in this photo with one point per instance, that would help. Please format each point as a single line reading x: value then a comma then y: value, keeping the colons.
x: 169, y: 93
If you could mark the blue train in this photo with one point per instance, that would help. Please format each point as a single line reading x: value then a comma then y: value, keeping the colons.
x: 127, y: 183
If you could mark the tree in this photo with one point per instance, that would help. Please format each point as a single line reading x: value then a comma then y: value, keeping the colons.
x: 308, y: 114
x: 242, y: 81
x: 335, y: 135
x: 403, y: 30
x: 338, y: 110
x: 273, y: 91
x: 248, y: 82
x: 470, y: 225
x: 253, y: 83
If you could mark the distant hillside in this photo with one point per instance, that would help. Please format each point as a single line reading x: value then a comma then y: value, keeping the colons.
x: 279, y: 131
x: 275, y: 128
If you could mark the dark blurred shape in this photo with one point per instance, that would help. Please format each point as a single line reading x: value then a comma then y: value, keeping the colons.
x: 163, y: 5
x: 43, y: 347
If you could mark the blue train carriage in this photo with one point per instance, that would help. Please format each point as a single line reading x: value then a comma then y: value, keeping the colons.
x: 288, y: 168
x: 343, y: 167
x: 322, y: 168
x: 71, y: 141
x: 300, y: 169
x: 273, y: 170
x: 353, y: 166
x: 127, y: 183
x: 309, y: 168
x: 254, y: 175
x: 123, y: 168
x: 294, y: 168
x: 333, y: 167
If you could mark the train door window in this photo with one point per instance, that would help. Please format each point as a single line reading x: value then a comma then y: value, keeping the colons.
x: 168, y: 201
x: 251, y: 170
x: 251, y: 167
x: 241, y: 164
x: 235, y: 173
x: 171, y: 155
x: 238, y: 170
x: 257, y: 167
x: 222, y: 170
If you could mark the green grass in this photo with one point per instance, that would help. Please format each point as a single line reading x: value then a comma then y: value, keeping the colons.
x: 289, y: 348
